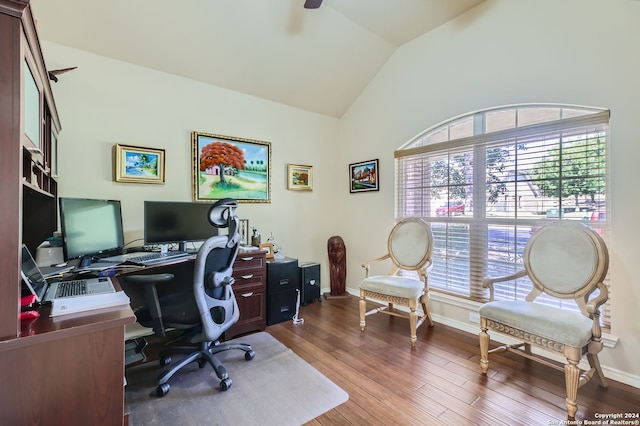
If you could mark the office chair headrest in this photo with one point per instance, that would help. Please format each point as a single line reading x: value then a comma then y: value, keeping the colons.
x: 222, y: 212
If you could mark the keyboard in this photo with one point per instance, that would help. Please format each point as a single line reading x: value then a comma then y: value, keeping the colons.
x: 71, y: 288
x: 157, y: 257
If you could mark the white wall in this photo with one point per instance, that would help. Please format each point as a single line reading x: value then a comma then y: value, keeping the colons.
x: 500, y: 53
x: 105, y: 102
x: 503, y: 52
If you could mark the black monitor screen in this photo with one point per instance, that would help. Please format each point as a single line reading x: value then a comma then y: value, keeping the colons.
x: 168, y: 222
x: 90, y: 227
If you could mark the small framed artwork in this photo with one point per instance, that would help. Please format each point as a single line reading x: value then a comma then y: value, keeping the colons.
x: 269, y: 248
x: 299, y: 177
x: 139, y: 164
x: 363, y: 176
x: 244, y: 232
x: 229, y: 167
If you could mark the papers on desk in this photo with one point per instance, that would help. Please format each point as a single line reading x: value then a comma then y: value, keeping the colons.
x: 99, y: 266
x: 87, y: 303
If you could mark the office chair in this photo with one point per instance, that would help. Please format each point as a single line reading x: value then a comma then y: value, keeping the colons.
x: 204, y: 313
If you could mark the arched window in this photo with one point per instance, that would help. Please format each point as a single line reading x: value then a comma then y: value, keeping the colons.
x: 487, y: 180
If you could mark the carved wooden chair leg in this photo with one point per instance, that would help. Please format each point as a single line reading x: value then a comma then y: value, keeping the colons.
x: 572, y: 378
x: 424, y: 300
x: 484, y: 346
x: 594, y: 362
x: 413, y: 321
x: 363, y: 309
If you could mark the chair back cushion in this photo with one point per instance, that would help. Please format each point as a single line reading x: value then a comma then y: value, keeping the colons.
x: 566, y: 259
x: 411, y: 243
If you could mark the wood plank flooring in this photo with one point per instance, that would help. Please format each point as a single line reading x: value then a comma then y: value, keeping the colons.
x: 437, y: 383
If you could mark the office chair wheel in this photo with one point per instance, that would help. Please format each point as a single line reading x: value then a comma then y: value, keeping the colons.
x: 225, y: 384
x: 249, y: 355
x: 162, y: 390
x: 164, y: 361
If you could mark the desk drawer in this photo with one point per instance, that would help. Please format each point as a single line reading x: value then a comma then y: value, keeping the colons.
x: 282, y: 275
x: 248, y: 278
x: 249, y: 261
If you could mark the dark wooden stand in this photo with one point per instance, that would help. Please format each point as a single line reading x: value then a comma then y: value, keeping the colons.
x: 67, y: 370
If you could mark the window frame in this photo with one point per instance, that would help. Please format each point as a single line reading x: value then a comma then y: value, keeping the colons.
x: 441, y: 139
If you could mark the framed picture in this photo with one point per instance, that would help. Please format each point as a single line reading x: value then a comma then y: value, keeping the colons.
x: 269, y: 248
x: 363, y: 176
x: 244, y: 232
x: 228, y: 167
x: 139, y: 164
x: 299, y: 178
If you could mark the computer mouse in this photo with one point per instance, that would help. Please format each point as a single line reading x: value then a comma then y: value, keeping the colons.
x: 85, y: 261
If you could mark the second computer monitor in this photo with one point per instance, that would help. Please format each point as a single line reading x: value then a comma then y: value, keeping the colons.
x: 90, y: 227
x: 167, y: 222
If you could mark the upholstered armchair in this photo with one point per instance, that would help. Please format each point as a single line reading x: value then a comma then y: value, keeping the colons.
x: 410, y: 245
x: 564, y: 260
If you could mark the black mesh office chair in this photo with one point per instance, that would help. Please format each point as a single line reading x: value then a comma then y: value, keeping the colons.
x: 204, y: 313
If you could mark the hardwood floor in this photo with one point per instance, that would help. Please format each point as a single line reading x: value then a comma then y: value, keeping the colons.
x: 437, y: 383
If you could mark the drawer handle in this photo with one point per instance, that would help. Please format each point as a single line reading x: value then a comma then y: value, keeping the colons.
x: 247, y: 294
x: 246, y: 277
x: 312, y: 282
x: 247, y: 258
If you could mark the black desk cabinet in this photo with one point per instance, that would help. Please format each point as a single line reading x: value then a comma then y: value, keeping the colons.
x: 309, y: 282
x: 282, y: 289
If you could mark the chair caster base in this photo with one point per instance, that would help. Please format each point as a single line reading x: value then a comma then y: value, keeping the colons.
x: 162, y: 390
x: 225, y: 384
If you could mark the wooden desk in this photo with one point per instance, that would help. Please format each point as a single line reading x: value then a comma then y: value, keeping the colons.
x: 65, y: 371
x: 250, y: 288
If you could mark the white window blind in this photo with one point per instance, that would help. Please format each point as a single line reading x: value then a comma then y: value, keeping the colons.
x: 485, y: 192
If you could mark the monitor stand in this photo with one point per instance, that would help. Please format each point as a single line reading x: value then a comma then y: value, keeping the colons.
x: 182, y: 246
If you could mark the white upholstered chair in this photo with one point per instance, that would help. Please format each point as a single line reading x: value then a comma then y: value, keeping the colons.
x: 410, y: 246
x: 566, y: 260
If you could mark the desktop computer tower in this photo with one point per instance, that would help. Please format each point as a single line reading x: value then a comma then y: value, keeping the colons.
x: 309, y: 282
x: 282, y: 289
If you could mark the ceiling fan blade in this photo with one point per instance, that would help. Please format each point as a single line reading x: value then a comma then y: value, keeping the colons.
x: 54, y: 73
x: 312, y: 4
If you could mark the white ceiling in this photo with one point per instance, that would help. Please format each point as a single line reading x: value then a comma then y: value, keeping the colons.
x: 317, y: 60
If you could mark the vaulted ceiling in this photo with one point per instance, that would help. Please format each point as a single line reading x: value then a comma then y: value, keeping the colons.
x: 318, y: 60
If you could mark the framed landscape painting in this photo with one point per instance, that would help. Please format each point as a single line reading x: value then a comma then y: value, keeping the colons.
x: 139, y: 164
x: 229, y: 167
x: 299, y: 177
x: 363, y: 176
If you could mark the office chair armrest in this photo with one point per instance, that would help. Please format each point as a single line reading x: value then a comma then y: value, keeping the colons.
x: 488, y: 282
x: 151, y: 296
x: 366, y: 264
x: 148, y: 279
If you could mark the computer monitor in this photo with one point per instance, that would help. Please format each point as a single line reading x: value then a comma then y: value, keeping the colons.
x: 90, y: 227
x: 167, y: 222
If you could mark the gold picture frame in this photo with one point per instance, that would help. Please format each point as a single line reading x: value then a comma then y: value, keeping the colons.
x: 245, y: 166
x: 136, y: 164
x: 299, y: 177
x: 269, y: 248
